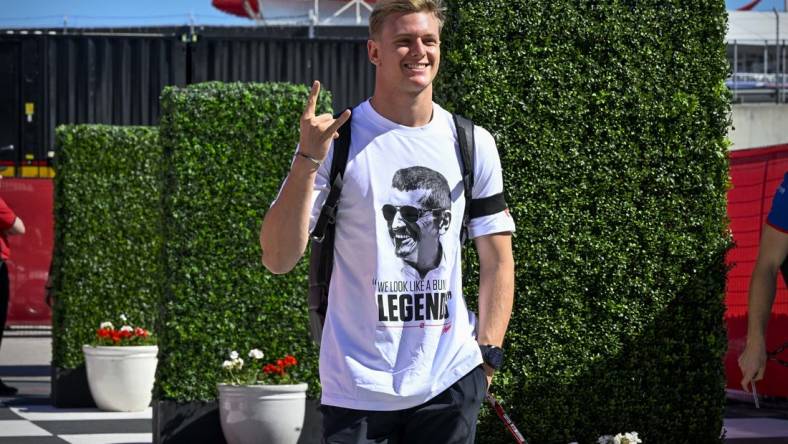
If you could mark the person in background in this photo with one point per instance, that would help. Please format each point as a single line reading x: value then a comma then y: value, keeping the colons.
x: 10, y: 224
x: 771, y: 256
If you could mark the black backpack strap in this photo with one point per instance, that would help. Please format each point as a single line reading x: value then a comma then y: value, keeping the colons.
x: 321, y: 259
x: 467, y: 147
x: 328, y: 213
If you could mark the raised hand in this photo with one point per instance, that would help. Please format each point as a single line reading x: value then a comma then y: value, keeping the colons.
x: 317, y: 132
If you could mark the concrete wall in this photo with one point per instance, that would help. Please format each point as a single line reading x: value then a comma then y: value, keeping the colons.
x: 757, y: 125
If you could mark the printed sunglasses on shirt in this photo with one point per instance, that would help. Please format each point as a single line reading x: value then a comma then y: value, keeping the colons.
x: 407, y: 212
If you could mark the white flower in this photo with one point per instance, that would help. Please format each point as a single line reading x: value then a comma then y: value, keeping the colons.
x: 631, y: 438
x: 227, y: 365
x: 238, y: 363
x: 621, y: 438
x: 123, y: 317
x: 126, y: 328
x: 233, y: 355
x: 255, y: 354
x: 106, y: 325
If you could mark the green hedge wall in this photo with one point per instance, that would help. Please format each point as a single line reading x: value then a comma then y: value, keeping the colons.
x: 227, y: 148
x: 108, y: 237
x: 611, y: 121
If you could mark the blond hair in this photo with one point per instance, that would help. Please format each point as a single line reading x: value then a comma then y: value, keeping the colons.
x: 385, y: 8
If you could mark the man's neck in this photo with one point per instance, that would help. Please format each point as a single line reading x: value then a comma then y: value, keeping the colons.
x: 404, y: 109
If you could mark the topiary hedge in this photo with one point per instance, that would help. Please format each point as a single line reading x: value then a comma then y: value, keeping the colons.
x: 108, y: 237
x: 611, y: 120
x: 227, y: 148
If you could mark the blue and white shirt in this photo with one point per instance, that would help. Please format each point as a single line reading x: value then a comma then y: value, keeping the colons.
x: 778, y: 216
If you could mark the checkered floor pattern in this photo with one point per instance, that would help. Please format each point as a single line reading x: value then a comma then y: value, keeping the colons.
x: 33, y: 420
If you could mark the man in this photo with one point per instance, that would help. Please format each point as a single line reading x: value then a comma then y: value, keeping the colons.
x: 419, y: 212
x: 10, y: 224
x: 398, y: 359
x: 771, y: 256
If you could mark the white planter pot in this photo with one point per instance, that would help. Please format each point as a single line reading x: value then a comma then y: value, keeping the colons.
x: 273, y: 414
x: 121, y: 378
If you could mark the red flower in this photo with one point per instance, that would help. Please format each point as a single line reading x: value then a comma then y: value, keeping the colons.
x: 280, y: 367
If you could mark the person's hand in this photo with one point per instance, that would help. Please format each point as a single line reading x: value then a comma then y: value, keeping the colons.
x: 488, y: 371
x: 317, y: 132
x: 752, y: 363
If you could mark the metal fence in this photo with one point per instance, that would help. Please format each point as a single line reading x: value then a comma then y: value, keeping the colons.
x: 51, y: 78
x: 758, y: 71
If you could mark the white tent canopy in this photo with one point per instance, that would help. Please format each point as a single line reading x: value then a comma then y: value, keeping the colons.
x: 756, y: 28
x: 317, y: 12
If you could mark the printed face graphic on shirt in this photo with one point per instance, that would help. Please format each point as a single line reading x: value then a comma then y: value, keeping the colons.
x: 418, y: 213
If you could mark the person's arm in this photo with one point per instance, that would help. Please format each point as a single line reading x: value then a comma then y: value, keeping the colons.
x: 772, y: 252
x: 17, y: 228
x: 9, y: 222
x: 284, y: 232
x: 496, y: 289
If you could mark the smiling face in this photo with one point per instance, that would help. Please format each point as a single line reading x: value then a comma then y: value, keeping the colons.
x: 406, y: 52
x: 415, y: 228
x: 415, y: 234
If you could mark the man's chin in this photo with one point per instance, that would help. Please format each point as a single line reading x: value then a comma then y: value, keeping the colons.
x: 416, y: 84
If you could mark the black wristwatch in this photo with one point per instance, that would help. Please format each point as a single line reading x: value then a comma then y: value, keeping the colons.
x: 492, y: 356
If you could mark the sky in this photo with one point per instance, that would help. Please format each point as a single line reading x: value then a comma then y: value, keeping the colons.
x: 121, y: 13
x: 110, y: 13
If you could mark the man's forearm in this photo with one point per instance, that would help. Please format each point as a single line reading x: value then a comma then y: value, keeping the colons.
x: 496, y: 297
x: 762, y: 288
x: 284, y: 233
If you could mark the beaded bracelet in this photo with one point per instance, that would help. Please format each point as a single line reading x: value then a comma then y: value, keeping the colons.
x: 310, y: 158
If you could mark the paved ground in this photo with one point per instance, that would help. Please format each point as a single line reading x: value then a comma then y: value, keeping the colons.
x: 29, y: 418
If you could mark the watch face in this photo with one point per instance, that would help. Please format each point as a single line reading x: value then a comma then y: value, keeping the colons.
x: 493, y: 356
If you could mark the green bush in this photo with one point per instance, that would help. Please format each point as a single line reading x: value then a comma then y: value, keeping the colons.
x: 611, y: 120
x: 107, y: 255
x: 227, y: 148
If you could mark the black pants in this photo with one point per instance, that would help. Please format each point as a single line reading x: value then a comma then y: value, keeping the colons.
x: 449, y: 418
x: 4, y: 297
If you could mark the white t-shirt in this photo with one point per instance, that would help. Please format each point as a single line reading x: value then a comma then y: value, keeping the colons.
x: 397, y: 331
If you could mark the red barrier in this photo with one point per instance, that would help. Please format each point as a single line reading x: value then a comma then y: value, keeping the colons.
x: 28, y: 267
x: 755, y: 176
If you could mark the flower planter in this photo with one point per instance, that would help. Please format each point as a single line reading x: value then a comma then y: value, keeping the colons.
x: 262, y: 413
x: 121, y: 378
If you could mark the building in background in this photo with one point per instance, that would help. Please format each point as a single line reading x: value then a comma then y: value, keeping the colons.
x: 756, y: 47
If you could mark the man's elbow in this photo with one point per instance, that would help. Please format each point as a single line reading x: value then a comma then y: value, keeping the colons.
x: 276, y: 265
x: 272, y: 256
x: 18, y: 227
